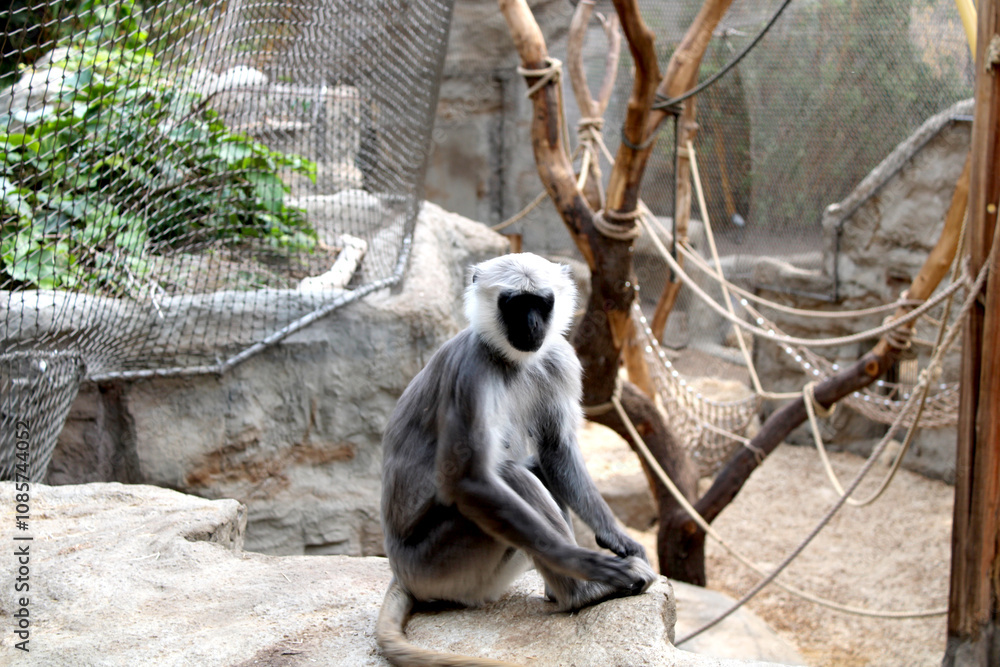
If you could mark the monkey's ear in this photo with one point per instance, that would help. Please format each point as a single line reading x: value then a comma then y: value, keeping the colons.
x: 474, y: 274
x: 566, y: 270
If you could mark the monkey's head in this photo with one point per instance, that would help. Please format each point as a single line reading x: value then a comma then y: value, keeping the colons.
x: 519, y: 303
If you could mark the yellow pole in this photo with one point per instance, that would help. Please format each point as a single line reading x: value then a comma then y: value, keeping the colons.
x: 967, y: 11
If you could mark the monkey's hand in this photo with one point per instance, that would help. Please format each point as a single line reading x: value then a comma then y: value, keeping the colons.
x: 621, y: 544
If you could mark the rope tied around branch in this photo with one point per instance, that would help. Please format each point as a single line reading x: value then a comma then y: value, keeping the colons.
x: 617, y: 225
x: 640, y: 146
x: 817, y: 408
x: 588, y: 133
x: 548, y: 74
x: 588, y: 125
x: 609, y: 405
x: 900, y: 337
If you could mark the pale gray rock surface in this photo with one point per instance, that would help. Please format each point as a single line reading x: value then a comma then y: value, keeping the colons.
x: 742, y: 635
x: 138, y: 575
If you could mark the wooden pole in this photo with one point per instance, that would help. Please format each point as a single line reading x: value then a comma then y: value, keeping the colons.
x: 973, y: 610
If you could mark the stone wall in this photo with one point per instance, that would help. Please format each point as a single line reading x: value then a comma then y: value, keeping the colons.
x: 875, y: 242
x: 481, y: 164
x: 294, y: 432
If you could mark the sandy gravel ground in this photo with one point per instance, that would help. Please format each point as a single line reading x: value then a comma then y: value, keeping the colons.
x: 893, y: 555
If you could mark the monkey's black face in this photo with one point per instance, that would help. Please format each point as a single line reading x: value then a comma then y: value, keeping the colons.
x: 525, y: 317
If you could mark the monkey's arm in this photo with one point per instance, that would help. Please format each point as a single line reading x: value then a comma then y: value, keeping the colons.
x: 467, y: 475
x: 566, y: 475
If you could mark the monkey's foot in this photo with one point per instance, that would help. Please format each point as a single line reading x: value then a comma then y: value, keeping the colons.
x: 586, y: 593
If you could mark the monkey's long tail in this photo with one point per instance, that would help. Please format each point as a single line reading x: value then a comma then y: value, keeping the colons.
x: 392, y: 640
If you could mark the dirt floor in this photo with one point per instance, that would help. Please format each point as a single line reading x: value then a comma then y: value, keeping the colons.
x: 891, y: 556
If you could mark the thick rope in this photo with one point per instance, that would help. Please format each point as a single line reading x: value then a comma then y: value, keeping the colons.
x: 606, y: 407
x: 771, y: 335
x: 710, y: 235
x: 877, y: 332
x: 874, y: 406
x: 618, y: 226
x: 911, y: 433
x: 769, y: 578
x: 517, y: 217
x: 946, y: 337
x: 590, y: 125
x: 589, y: 134
x: 546, y: 75
x: 699, y: 262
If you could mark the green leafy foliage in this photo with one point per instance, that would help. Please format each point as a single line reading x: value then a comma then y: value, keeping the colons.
x: 123, y: 161
x: 32, y: 28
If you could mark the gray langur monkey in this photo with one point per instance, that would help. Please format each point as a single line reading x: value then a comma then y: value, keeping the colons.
x: 481, y: 464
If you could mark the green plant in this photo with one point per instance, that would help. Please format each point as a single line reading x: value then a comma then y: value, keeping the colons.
x: 124, y: 160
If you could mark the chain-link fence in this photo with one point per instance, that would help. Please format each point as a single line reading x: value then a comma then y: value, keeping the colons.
x: 184, y: 183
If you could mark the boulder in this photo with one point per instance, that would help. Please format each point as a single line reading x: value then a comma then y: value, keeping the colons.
x: 140, y: 575
x: 294, y: 432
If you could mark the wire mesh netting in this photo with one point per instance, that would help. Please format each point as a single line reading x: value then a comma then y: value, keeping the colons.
x: 184, y: 183
x: 826, y: 94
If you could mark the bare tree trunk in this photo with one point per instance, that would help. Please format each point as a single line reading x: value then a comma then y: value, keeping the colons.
x: 606, y: 324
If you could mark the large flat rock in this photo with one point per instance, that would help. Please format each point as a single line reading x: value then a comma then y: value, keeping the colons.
x: 139, y: 575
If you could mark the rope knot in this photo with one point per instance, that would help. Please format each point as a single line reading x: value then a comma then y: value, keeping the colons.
x: 589, y: 125
x: 618, y: 226
x: 901, y: 338
x: 548, y: 74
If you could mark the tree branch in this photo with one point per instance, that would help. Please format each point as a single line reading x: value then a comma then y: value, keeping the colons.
x: 606, y: 324
x: 630, y: 164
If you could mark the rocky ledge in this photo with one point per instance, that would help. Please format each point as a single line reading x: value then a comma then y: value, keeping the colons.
x: 139, y: 575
